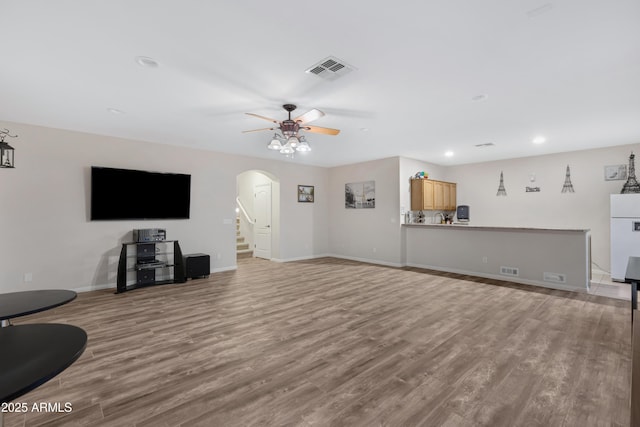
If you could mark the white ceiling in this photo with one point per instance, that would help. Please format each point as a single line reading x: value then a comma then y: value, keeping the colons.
x: 565, y: 69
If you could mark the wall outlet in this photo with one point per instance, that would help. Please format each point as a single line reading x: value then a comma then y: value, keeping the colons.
x: 484, y: 260
x: 375, y: 249
x: 28, y: 277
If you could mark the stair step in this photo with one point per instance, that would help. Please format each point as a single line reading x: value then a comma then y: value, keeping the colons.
x: 239, y: 239
x: 244, y: 254
x: 241, y: 246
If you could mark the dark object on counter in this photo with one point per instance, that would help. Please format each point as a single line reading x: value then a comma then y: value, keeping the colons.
x: 463, y: 213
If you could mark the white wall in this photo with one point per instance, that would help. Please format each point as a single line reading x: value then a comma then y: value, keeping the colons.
x: 408, y: 168
x: 588, y: 207
x: 44, y: 207
x: 367, y: 234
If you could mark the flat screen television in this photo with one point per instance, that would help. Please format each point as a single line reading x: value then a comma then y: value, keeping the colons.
x: 119, y: 194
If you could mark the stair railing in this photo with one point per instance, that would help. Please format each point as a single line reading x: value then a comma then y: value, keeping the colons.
x: 244, y: 211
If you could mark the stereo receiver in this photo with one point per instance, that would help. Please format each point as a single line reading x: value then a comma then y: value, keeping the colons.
x: 149, y: 235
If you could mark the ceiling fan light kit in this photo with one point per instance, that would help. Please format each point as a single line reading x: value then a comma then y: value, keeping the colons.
x: 288, y: 141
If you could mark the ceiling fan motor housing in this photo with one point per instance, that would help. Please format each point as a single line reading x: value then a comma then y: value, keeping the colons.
x: 289, y: 128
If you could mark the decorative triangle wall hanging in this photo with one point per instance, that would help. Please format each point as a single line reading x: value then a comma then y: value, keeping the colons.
x: 631, y: 186
x: 568, y: 186
x: 501, y: 190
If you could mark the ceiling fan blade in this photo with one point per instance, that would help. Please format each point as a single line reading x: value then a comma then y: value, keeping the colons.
x: 318, y: 129
x: 258, y: 130
x: 263, y: 118
x: 309, y: 116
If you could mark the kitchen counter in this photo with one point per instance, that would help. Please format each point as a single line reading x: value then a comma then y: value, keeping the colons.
x: 495, y: 227
x: 550, y: 257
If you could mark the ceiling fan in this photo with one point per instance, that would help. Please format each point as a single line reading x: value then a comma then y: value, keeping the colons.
x: 289, y: 140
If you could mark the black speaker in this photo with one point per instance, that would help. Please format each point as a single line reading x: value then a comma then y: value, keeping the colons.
x: 196, y: 265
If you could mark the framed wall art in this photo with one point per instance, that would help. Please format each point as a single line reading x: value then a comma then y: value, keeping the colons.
x: 305, y: 193
x: 615, y: 172
x: 360, y: 195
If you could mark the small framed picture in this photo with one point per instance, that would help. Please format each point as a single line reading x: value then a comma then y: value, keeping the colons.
x: 305, y: 193
x: 615, y: 172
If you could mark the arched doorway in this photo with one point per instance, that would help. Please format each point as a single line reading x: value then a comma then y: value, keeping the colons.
x: 258, y: 215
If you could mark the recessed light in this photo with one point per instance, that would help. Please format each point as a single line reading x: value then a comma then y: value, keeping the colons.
x: 145, y: 61
x: 539, y: 140
x: 448, y: 153
x: 115, y: 111
x: 480, y: 97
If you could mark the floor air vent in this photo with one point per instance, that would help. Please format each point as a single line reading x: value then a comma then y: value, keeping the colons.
x: 330, y: 68
x: 509, y: 271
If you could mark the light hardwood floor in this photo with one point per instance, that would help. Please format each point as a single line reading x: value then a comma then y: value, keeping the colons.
x: 335, y: 342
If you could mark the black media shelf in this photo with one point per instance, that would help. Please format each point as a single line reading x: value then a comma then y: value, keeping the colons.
x: 146, y: 264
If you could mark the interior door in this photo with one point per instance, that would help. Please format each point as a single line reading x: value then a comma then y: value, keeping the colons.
x: 262, y: 227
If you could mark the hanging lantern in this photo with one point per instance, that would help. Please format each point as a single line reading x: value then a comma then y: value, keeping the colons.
x: 6, y: 151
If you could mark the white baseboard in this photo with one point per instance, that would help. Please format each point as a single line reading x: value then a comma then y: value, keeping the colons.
x: 367, y: 260
x: 503, y: 278
x: 302, y: 258
x: 113, y: 285
x: 95, y: 287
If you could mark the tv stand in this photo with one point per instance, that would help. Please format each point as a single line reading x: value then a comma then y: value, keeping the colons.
x: 149, y: 263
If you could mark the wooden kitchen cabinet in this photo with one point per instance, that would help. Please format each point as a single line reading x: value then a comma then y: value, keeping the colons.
x: 428, y: 194
x: 440, y: 194
x: 452, y: 196
x: 421, y: 194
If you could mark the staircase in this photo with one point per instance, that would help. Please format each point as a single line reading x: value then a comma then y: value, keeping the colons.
x: 242, y: 248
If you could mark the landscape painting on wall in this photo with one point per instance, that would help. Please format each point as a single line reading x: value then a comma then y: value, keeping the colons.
x: 360, y: 195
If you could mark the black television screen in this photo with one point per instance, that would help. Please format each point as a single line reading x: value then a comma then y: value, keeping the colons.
x: 134, y: 194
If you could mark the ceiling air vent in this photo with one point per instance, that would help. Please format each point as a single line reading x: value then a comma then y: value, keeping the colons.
x: 487, y: 144
x: 330, y: 68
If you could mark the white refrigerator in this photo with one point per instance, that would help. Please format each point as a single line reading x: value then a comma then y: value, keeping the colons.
x: 625, y: 232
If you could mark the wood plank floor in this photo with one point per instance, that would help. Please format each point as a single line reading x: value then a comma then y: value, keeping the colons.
x: 334, y: 342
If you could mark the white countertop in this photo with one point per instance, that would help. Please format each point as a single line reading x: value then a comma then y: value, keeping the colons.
x: 461, y: 226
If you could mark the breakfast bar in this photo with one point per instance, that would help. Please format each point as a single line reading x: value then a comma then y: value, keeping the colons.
x: 549, y: 257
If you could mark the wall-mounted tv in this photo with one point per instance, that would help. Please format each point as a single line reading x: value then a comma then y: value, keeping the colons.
x: 119, y: 194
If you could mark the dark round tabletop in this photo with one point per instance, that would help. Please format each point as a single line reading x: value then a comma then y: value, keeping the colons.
x: 16, y: 304
x: 33, y: 354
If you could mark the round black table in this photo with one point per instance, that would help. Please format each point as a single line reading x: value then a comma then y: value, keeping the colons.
x: 33, y: 354
x: 16, y: 304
